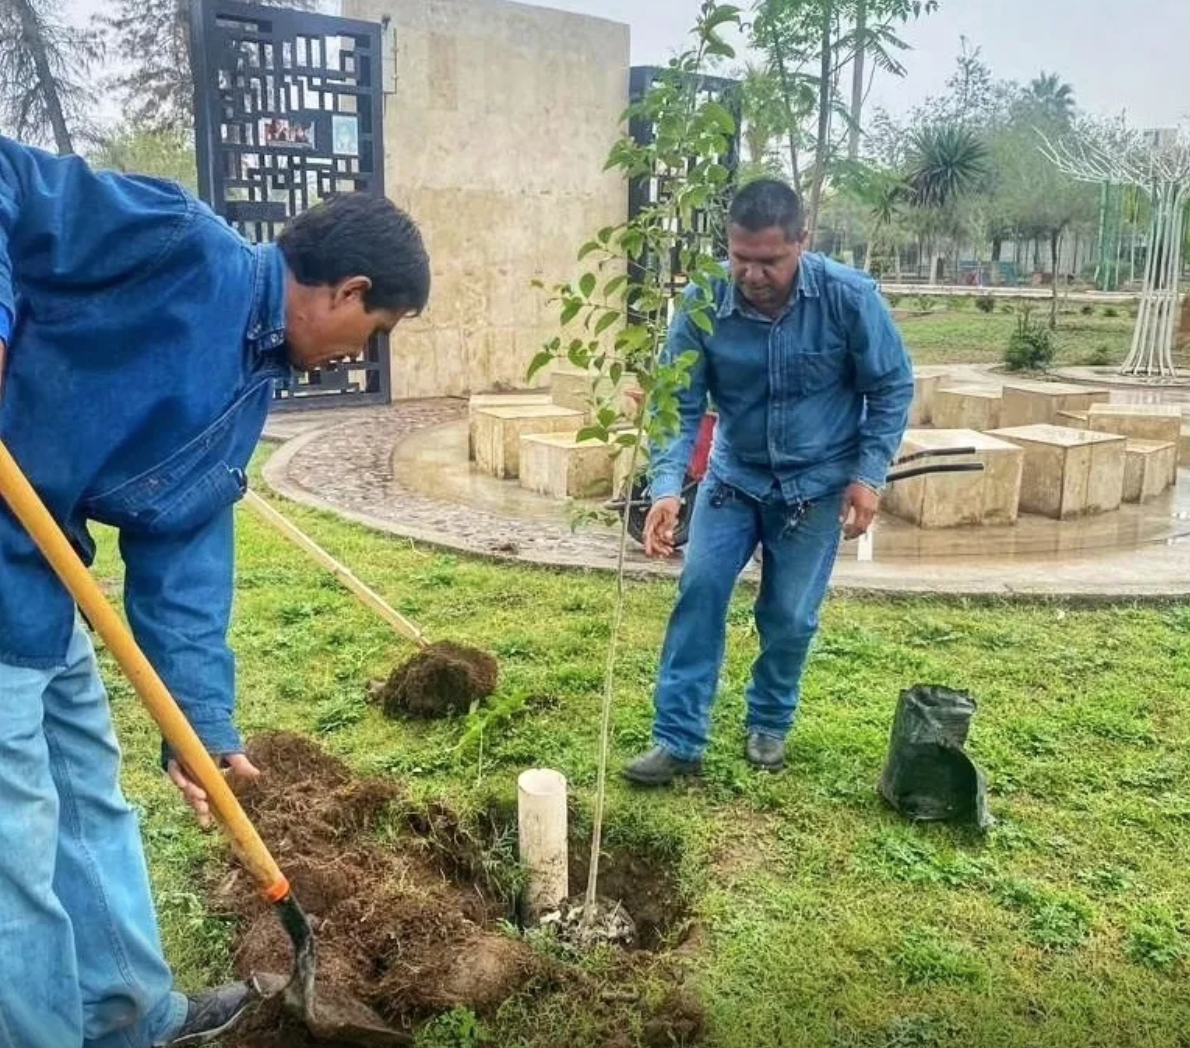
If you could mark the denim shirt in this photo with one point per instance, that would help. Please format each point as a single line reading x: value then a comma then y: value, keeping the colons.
x: 808, y: 402
x: 146, y: 339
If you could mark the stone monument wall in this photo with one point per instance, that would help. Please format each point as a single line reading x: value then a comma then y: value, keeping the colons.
x: 498, y: 121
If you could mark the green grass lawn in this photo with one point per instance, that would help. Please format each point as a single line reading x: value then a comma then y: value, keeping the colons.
x: 962, y: 334
x: 824, y: 918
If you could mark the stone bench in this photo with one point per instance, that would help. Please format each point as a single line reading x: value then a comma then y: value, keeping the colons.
x: 967, y: 407
x: 498, y: 433
x: 1038, y: 403
x: 556, y: 464
x: 926, y: 381
x: 1159, y: 422
x: 951, y: 500
x: 497, y: 400
x: 1148, y: 465
x: 1068, y: 472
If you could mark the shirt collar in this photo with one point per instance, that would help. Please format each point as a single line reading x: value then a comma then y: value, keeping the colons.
x: 806, y: 285
x: 266, y: 327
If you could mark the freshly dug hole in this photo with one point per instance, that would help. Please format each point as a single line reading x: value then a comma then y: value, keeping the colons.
x: 392, y: 930
x: 441, y: 681
x: 409, y: 927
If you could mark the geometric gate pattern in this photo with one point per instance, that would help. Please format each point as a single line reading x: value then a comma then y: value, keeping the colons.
x: 288, y: 110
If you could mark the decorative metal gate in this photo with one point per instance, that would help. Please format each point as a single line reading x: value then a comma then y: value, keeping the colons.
x: 647, y: 191
x: 288, y: 111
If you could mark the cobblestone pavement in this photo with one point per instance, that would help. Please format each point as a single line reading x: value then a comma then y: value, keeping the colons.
x: 343, y: 463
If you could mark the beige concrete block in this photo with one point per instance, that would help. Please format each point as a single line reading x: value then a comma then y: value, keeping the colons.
x: 1159, y: 422
x: 498, y: 433
x: 949, y: 500
x: 967, y: 407
x: 1184, y: 444
x: 926, y: 382
x: 571, y: 388
x: 1068, y: 472
x: 1073, y: 419
x: 1147, y: 468
x: 1038, y: 403
x: 480, y: 401
x: 556, y: 464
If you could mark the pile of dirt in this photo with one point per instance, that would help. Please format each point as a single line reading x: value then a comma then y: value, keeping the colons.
x: 392, y: 929
x: 410, y: 927
x: 444, y: 680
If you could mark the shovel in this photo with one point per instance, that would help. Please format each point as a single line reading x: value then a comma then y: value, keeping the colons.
x: 346, y: 1020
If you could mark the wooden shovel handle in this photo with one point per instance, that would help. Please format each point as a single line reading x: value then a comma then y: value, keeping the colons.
x: 26, y: 504
x: 366, y: 594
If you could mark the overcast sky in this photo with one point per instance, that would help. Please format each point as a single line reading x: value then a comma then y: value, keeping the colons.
x: 1118, y: 54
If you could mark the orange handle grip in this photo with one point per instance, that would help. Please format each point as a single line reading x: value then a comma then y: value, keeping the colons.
x: 26, y: 504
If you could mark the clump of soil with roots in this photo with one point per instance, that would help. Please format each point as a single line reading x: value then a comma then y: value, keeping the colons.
x: 444, y: 680
x: 419, y: 924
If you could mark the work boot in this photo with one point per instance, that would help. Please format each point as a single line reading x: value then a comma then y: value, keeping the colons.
x: 212, y: 1013
x: 659, y: 767
x: 765, y: 752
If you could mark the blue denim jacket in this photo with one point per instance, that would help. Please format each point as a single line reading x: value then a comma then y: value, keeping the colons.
x: 810, y: 402
x: 146, y: 339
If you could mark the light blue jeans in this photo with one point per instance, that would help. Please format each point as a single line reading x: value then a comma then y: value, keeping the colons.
x: 798, y: 545
x: 80, y: 955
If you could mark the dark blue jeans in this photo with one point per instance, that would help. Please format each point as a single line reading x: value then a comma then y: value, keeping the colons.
x: 799, y: 544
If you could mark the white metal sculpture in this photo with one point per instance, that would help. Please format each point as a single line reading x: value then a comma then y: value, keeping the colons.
x: 1158, y: 163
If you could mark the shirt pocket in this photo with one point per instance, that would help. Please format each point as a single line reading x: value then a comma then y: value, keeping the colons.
x: 190, y: 487
x: 815, y: 371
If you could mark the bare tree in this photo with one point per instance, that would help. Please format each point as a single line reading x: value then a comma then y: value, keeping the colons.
x: 44, y: 64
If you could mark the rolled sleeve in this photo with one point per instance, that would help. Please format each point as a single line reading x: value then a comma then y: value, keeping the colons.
x: 669, y: 457
x: 178, y: 596
x: 884, y: 375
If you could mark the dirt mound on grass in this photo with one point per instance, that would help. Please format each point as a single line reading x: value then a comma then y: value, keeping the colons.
x: 393, y: 930
x: 442, y: 681
x: 409, y: 926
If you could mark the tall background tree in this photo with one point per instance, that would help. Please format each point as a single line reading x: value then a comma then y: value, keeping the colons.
x: 152, y: 39
x: 44, y: 67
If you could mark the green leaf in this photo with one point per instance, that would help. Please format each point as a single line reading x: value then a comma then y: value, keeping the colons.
x: 537, y: 284
x: 721, y: 115
x: 626, y: 440
x: 719, y: 48
x: 541, y: 360
x: 606, y: 321
x: 605, y: 234
x: 606, y: 417
x: 586, y: 284
x: 599, y: 433
x: 578, y: 355
x: 587, y: 248
x: 702, y: 321
x: 616, y: 373
x: 615, y: 284
x: 721, y: 16
x: 570, y: 310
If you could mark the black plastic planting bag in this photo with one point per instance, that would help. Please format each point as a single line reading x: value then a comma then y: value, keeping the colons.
x: 928, y: 775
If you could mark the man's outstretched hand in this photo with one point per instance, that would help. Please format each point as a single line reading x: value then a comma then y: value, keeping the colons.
x: 195, y: 795
x: 860, y: 505
x: 660, y: 525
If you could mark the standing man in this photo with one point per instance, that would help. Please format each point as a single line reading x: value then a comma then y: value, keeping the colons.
x: 813, y: 385
x: 140, y: 341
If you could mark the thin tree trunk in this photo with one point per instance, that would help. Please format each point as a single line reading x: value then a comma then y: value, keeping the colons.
x: 783, y: 74
x: 824, y: 120
x: 857, y: 78
x: 33, y: 41
x: 1055, y: 243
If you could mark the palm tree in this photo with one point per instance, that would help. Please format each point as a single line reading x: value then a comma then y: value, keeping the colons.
x: 43, y: 71
x: 946, y: 163
x: 1053, y: 97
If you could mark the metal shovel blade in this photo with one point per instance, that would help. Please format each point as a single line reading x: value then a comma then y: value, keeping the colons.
x: 340, y: 1019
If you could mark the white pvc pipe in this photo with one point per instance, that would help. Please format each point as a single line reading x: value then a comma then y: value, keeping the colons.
x: 541, y: 825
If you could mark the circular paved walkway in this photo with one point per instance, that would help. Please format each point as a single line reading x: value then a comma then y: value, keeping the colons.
x: 351, y: 464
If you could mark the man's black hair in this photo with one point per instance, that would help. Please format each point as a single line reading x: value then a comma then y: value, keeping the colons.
x: 766, y: 203
x: 360, y: 235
